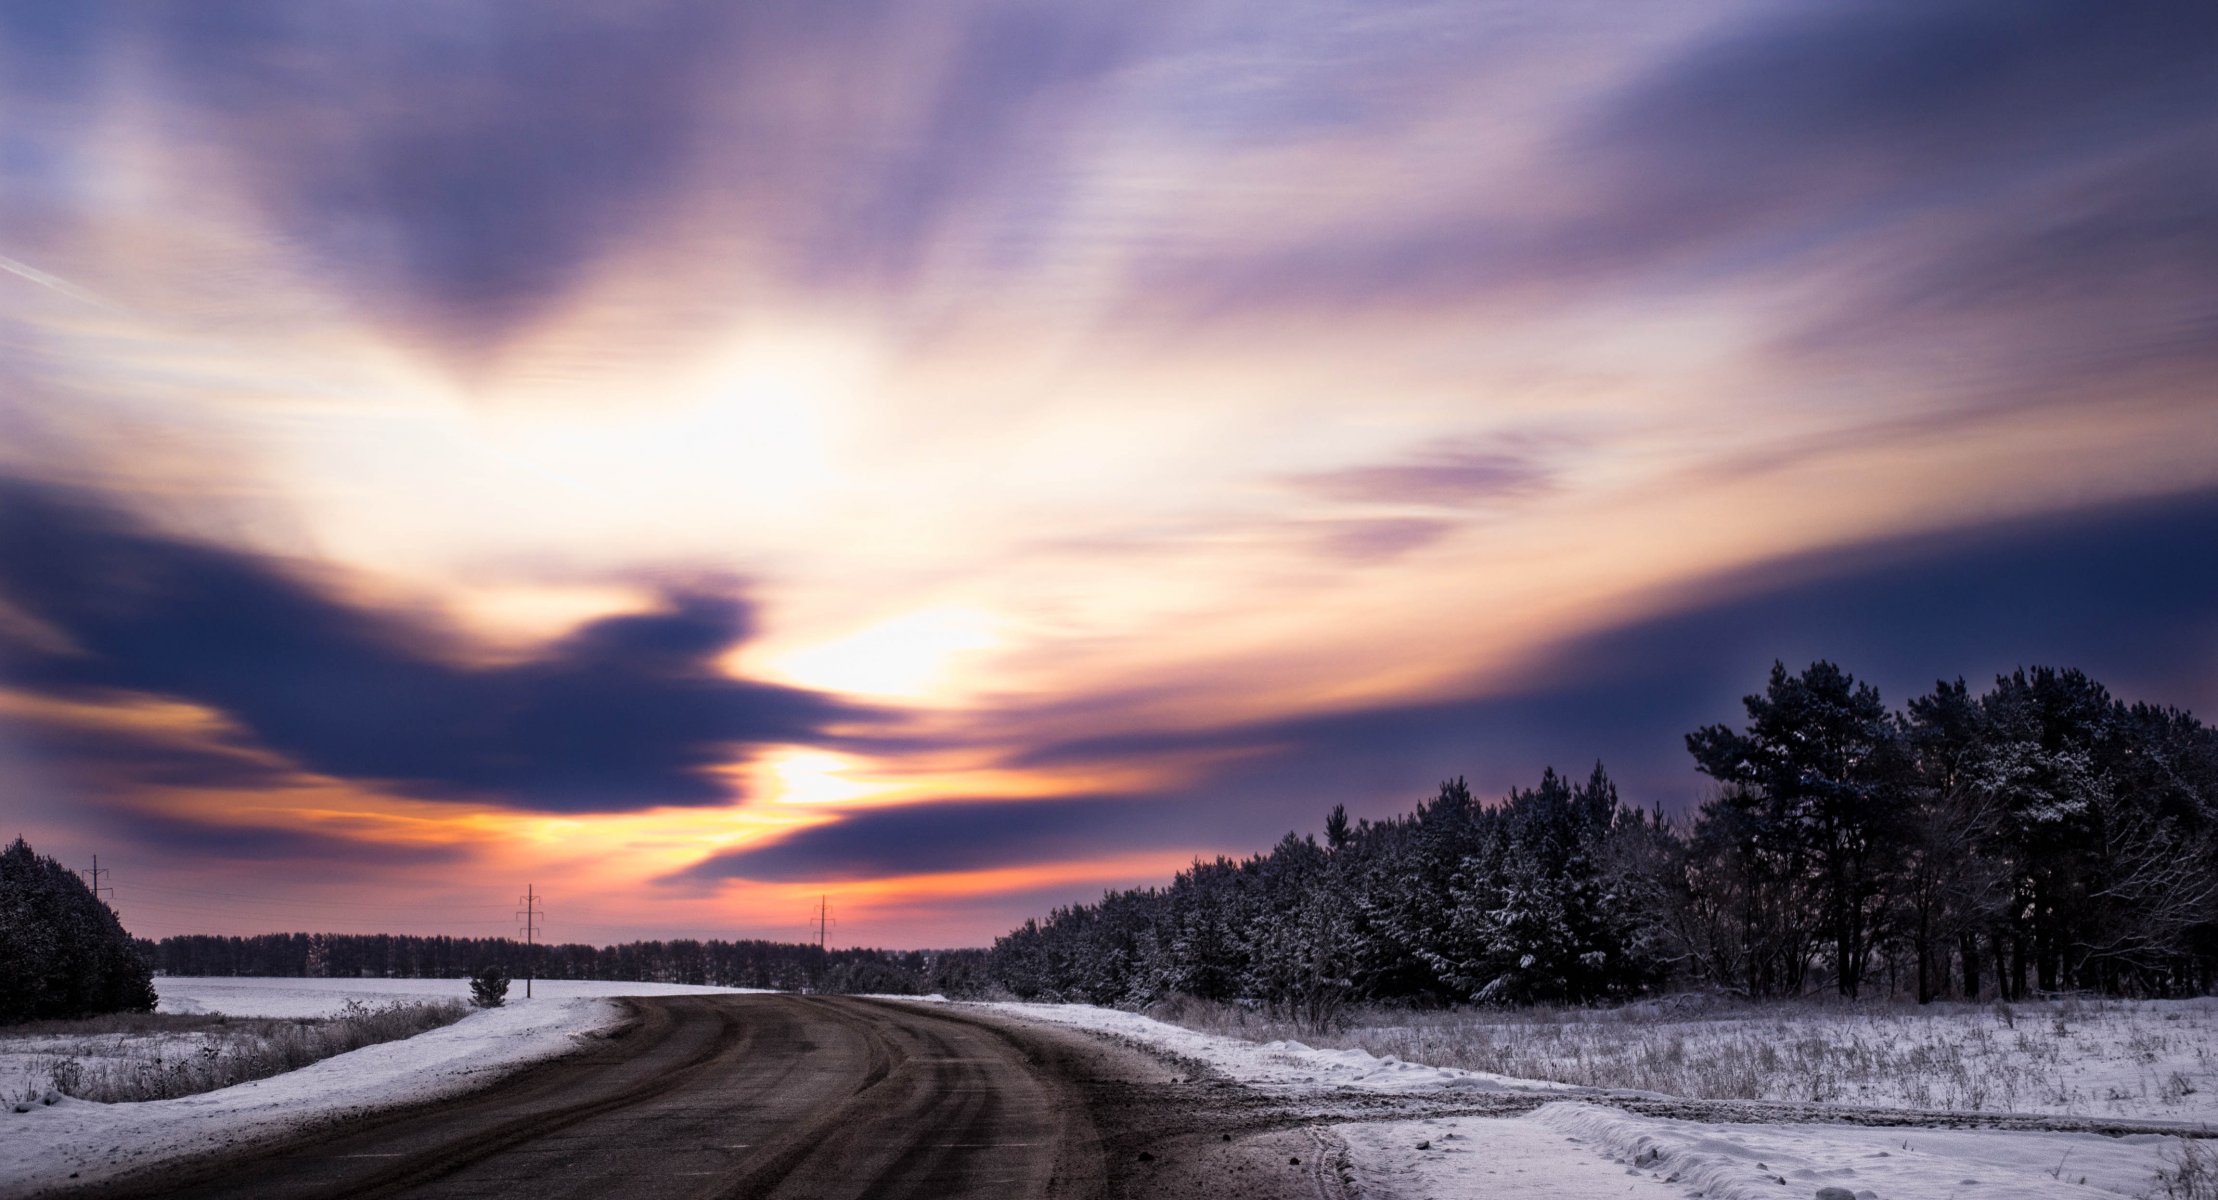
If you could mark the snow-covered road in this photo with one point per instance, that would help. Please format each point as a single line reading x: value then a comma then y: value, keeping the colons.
x: 1544, y: 1140
x: 81, y: 1141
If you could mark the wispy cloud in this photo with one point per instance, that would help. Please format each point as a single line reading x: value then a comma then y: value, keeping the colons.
x: 52, y: 282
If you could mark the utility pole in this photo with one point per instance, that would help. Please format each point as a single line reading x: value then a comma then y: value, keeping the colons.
x: 97, y: 872
x: 534, y: 918
x: 822, y: 919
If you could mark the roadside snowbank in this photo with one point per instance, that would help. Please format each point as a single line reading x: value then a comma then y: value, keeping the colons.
x: 2151, y: 1060
x: 1278, y: 1064
x: 77, y: 1141
x: 1508, y: 1158
x: 1755, y: 1162
x: 1575, y: 1149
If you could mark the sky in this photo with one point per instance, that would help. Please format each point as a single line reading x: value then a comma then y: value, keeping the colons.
x: 953, y: 458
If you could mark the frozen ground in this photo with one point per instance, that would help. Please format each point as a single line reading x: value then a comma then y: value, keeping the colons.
x: 245, y: 996
x: 2153, y: 1060
x: 82, y: 1141
x: 1277, y: 1064
x: 1576, y: 1149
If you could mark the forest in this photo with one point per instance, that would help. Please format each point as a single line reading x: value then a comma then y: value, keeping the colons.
x: 2038, y: 837
x: 784, y: 966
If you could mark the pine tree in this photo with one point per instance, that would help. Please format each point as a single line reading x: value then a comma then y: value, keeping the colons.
x: 63, y: 953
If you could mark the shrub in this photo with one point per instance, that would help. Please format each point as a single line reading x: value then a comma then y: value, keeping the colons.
x: 63, y: 953
x: 489, y: 987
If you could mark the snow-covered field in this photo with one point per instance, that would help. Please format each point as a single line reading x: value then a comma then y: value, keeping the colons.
x: 1576, y: 1149
x: 82, y: 1141
x: 2155, y: 1060
x: 258, y: 997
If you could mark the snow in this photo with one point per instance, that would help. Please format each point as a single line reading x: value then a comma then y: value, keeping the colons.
x: 1278, y: 1064
x: 80, y: 1141
x: 2123, y: 1059
x: 1573, y: 1147
x: 1514, y: 1158
x: 251, y: 996
x: 1747, y: 1162
x: 1578, y: 1148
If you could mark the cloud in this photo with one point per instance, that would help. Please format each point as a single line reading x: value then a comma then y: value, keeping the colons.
x: 1447, y: 478
x: 944, y: 836
x: 1015, y: 78
x: 1900, y: 612
x: 1372, y: 542
x: 458, y: 166
x: 184, y: 837
x: 626, y: 713
x: 459, y: 170
x: 1790, y: 134
x: 2072, y: 289
x: 1810, y: 98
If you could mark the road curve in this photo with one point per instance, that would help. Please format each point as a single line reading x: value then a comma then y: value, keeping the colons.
x: 775, y: 1096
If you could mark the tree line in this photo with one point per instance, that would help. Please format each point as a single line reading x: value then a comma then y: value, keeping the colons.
x: 2039, y: 836
x: 784, y: 966
x: 63, y: 953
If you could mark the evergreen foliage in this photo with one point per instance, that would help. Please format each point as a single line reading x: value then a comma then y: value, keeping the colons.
x: 63, y: 953
x: 489, y: 987
x: 2042, y: 836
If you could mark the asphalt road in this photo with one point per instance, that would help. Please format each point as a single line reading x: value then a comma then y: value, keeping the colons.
x: 739, y: 1097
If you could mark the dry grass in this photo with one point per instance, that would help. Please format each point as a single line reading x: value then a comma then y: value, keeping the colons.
x: 159, y: 1056
x: 2190, y: 1173
x: 2071, y: 1056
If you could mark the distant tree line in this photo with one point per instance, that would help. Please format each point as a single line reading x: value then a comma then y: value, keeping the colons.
x: 2040, y: 836
x: 785, y: 966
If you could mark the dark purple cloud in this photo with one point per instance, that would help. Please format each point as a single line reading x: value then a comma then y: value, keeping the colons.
x: 2128, y: 593
x: 458, y: 168
x: 186, y: 838
x: 950, y: 835
x: 626, y: 713
x: 458, y: 165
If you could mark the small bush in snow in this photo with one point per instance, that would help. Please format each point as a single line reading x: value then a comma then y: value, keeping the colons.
x: 489, y: 987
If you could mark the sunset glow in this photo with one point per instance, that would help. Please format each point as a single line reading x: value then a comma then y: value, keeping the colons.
x: 702, y: 458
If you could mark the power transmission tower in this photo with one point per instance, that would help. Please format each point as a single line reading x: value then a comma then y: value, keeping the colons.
x: 823, y: 920
x: 95, y: 875
x: 533, y: 914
